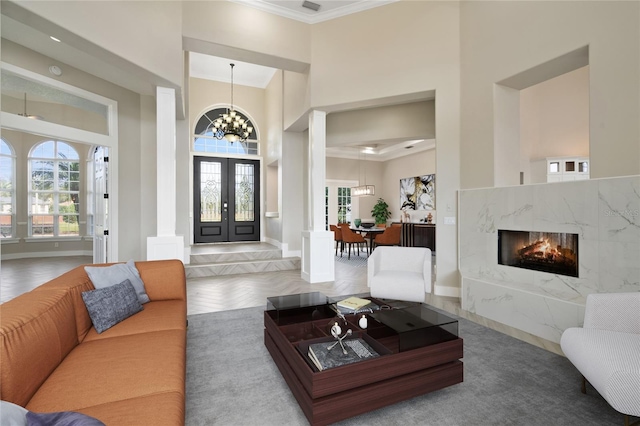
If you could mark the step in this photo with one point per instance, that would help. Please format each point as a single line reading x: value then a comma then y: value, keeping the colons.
x: 233, y: 252
x: 241, y: 267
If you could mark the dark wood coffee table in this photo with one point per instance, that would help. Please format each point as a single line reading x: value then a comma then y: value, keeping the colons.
x: 419, y: 348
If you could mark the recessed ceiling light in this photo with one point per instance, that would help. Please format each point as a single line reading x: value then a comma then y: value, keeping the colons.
x: 55, y: 70
x: 54, y: 39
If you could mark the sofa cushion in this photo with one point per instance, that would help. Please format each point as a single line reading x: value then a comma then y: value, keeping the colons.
x: 38, y: 330
x: 110, y: 305
x: 62, y: 418
x: 162, y: 408
x: 156, y: 316
x: 119, y: 368
x: 106, y: 276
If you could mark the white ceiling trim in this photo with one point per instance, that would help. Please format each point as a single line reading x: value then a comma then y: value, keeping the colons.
x: 320, y: 16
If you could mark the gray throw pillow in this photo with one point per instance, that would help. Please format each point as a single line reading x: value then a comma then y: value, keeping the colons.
x: 12, y: 414
x: 106, y: 276
x: 111, y: 305
x: 62, y: 418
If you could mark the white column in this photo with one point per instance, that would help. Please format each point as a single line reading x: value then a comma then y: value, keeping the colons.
x: 317, y: 243
x: 166, y: 245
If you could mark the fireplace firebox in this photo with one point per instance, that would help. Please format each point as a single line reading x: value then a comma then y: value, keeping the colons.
x: 553, y: 252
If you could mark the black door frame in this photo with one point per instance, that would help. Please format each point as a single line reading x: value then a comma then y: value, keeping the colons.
x: 227, y: 230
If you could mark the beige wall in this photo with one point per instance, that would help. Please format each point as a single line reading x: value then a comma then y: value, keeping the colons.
x: 258, y: 34
x: 272, y: 153
x: 403, y: 122
x: 130, y: 188
x: 353, y: 59
x: 501, y: 39
x: 145, y: 33
x: 206, y: 94
x: 554, y: 116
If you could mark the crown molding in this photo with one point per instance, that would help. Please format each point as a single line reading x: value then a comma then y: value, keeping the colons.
x: 316, y: 17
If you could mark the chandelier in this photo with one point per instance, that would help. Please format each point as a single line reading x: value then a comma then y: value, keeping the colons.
x: 232, y: 125
x: 363, y: 190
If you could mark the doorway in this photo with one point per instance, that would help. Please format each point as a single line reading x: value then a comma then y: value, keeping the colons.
x: 226, y: 198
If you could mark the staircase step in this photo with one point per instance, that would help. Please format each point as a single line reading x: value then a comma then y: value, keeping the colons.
x: 208, y: 258
x: 241, y: 267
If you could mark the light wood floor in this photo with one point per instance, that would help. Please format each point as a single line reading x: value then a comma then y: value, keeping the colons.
x: 241, y: 291
x: 203, y: 294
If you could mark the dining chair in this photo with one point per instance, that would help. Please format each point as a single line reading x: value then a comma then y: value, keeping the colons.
x: 337, y: 237
x: 390, y: 237
x: 349, y: 237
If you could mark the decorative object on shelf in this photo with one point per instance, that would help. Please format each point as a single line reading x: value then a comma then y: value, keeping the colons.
x: 232, y: 125
x: 363, y: 190
x: 418, y: 193
x: 380, y: 212
x: 429, y: 218
x: 339, y: 340
x: 363, y: 322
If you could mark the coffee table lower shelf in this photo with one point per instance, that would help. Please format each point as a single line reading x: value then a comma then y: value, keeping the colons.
x: 342, y: 405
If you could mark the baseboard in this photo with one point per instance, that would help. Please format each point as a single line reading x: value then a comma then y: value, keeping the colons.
x: 273, y: 242
x: 30, y: 255
x: 446, y: 291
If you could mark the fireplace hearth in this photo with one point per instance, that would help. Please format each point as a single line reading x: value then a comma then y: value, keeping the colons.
x: 552, y: 252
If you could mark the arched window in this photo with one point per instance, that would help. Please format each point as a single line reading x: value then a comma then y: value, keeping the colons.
x: 7, y: 190
x: 204, y: 141
x: 54, y: 190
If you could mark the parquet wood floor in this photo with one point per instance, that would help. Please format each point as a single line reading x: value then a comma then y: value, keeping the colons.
x: 227, y: 292
x: 204, y: 295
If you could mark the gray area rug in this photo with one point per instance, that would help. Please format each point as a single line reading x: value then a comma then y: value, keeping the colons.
x: 232, y: 380
x: 356, y: 260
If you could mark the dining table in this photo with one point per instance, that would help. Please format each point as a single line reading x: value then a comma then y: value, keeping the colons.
x: 370, y: 233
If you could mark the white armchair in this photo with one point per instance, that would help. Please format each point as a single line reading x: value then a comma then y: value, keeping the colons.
x: 401, y: 273
x: 606, y: 350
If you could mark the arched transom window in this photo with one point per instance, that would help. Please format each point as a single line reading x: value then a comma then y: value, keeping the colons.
x: 204, y: 141
x: 54, y: 190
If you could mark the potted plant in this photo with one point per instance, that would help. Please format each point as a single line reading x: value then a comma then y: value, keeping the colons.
x: 380, y: 212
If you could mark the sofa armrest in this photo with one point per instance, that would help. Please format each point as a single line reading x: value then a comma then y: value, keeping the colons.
x: 163, y: 279
x: 613, y: 311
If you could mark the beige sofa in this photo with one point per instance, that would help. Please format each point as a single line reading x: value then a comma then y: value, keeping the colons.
x: 131, y: 374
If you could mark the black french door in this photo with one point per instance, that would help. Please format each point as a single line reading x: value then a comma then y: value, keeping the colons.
x: 226, y: 197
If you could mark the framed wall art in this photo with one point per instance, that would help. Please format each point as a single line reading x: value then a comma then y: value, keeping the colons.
x: 418, y: 193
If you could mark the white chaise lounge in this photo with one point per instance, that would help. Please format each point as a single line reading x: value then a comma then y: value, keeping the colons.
x: 607, y: 349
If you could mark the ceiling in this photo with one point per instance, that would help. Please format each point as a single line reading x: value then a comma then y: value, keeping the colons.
x: 33, y: 34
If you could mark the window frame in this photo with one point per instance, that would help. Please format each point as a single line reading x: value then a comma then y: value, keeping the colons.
x: 250, y: 148
x: 55, y: 191
x: 12, y: 190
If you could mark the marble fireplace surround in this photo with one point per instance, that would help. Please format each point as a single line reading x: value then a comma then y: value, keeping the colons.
x: 605, y: 213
